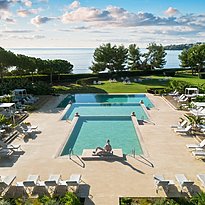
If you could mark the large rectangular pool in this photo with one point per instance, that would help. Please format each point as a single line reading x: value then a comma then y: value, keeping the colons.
x: 91, y: 132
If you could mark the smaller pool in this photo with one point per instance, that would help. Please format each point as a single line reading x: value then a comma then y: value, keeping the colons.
x: 106, y: 98
x: 105, y: 109
x: 91, y: 132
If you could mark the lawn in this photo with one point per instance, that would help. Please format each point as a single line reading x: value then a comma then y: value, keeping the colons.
x: 119, y: 87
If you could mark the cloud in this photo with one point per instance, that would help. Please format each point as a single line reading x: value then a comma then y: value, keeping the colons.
x: 85, y: 14
x: 4, y: 4
x: 74, y: 5
x: 43, y: 1
x: 34, y: 37
x: 38, y: 20
x: 171, y: 12
x: 17, y: 31
x: 10, y: 20
x: 27, y: 12
x: 27, y: 3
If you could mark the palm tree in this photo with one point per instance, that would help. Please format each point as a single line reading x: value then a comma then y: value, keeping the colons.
x: 195, y: 120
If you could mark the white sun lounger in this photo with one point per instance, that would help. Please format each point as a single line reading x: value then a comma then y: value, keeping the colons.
x: 199, y: 153
x: 5, y: 183
x: 159, y: 181
x: 52, y: 182
x: 180, y: 125
x: 184, y: 130
x: 184, y: 182
x: 175, y: 93
x: 9, y: 146
x: 74, y: 181
x: 201, y: 178
x: 194, y: 146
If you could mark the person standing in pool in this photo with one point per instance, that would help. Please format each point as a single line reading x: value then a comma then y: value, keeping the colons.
x: 107, y: 148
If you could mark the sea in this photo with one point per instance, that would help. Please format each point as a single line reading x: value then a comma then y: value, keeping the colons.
x: 82, y: 58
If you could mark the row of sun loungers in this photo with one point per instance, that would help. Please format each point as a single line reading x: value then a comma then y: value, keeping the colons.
x: 7, y: 150
x: 52, y: 184
x: 183, y: 183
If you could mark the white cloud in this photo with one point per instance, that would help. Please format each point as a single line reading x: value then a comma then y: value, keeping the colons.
x: 27, y: 3
x: 74, y: 5
x: 85, y: 14
x: 171, y: 12
x: 26, y: 12
x: 38, y: 20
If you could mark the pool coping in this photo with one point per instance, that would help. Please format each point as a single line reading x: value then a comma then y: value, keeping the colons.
x: 61, y: 147
x: 139, y: 135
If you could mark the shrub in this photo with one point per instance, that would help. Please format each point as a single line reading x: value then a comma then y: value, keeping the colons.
x: 4, y: 202
x: 87, y: 81
x: 169, y: 73
x: 202, y: 75
x: 70, y: 199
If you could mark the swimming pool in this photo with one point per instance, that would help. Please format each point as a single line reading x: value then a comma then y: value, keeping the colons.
x: 105, y: 109
x: 93, y: 131
x: 106, y: 98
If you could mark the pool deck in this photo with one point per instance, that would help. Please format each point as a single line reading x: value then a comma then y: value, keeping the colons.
x: 164, y: 153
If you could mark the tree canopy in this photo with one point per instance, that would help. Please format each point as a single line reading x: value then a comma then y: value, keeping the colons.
x: 118, y: 58
x: 194, y: 58
x: 23, y: 65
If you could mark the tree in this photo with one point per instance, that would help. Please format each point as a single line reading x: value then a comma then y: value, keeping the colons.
x: 54, y: 67
x: 155, y: 57
x: 134, y: 61
x: 194, y: 58
x: 62, y: 67
x: 109, y: 57
x: 7, y: 59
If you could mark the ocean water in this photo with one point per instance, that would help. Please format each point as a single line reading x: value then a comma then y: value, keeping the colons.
x: 82, y: 58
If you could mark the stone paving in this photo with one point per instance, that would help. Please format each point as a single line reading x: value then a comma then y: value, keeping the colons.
x: 164, y: 153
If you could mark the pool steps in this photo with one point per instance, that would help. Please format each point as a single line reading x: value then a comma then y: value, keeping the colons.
x: 88, y: 155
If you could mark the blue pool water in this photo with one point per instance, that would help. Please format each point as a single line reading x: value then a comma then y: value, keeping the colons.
x: 105, y: 98
x: 91, y: 132
x: 105, y: 109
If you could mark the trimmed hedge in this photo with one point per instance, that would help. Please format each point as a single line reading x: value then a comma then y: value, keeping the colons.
x: 86, y: 81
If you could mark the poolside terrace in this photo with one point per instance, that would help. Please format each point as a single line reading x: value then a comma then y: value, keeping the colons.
x: 164, y: 153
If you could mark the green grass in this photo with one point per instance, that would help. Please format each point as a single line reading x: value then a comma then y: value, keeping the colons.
x: 119, y: 87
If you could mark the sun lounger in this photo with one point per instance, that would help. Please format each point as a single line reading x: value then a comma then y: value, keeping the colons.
x: 5, y: 153
x: 184, y: 182
x: 9, y: 146
x: 184, y: 130
x: 74, y: 181
x: 196, y: 111
x: 5, y: 183
x: 175, y: 93
x: 180, y: 125
x: 201, y: 178
x: 52, y: 182
x: 159, y: 181
x: 194, y: 146
x: 30, y: 183
x: 180, y: 97
x: 26, y: 127
x: 199, y: 153
x: 183, y: 99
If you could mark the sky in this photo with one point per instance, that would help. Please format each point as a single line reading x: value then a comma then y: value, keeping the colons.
x: 90, y: 23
